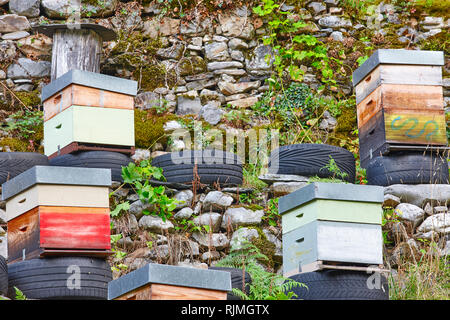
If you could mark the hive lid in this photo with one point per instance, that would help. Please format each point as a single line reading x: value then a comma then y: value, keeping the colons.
x: 92, y: 80
x: 49, y: 29
x: 56, y: 175
x: 397, y: 56
x: 331, y: 191
x: 170, y: 275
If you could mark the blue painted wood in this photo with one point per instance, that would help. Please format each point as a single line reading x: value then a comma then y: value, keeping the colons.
x: 56, y: 175
x: 330, y: 191
x: 169, y: 275
x: 397, y: 56
x: 90, y: 79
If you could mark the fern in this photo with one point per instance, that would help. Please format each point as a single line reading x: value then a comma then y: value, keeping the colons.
x: 265, y: 285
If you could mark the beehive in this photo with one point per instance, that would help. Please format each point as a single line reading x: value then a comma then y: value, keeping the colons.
x: 58, y: 209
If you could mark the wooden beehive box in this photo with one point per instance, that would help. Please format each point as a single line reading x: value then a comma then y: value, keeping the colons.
x: 98, y: 126
x: 399, y: 100
x: 166, y: 282
x: 338, y: 223
x: 89, y: 89
x: 58, y: 210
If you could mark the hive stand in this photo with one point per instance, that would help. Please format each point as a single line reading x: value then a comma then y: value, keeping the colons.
x: 166, y: 282
x: 58, y: 211
x: 329, y: 225
x: 400, y: 103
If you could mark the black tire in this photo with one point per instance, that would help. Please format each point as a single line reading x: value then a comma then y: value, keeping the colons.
x: 310, y: 160
x: 95, y: 159
x: 236, y: 280
x: 48, y: 278
x: 3, y: 276
x: 408, y: 168
x: 339, y: 285
x: 212, y: 167
x: 14, y: 163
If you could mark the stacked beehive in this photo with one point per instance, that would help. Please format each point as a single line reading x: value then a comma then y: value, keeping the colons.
x: 88, y: 111
x: 328, y: 224
x: 56, y: 212
x: 400, y: 103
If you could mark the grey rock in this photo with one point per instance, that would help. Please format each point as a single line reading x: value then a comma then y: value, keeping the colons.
x: 241, y: 236
x: 155, y: 224
x: 147, y: 100
x: 27, y: 68
x: 15, y: 35
x: 279, y: 189
x: 27, y: 8
x: 141, y: 154
x: 410, y: 212
x: 2, y: 75
x: 328, y: 122
x: 138, y: 206
x: 272, y: 177
x: 235, y: 26
x: 237, y: 55
x: 184, y: 213
x: 172, y: 125
x: 224, y: 65
x: 259, y: 65
x: 196, y: 27
x: 390, y: 201
x: 278, y: 244
x: 337, y: 36
x: 237, y: 44
x: 125, y: 242
x: 210, y: 256
x: 216, y: 201
x: 211, y: 113
x: 185, y: 198
x: 440, y: 209
x: 134, y: 263
x: 213, y: 220
x: 241, y: 217
x: 62, y: 9
x: 201, y: 84
x: 216, y: 240
x: 439, y: 222
x: 317, y: 7
x: 419, y: 195
x: 3, y: 216
x: 229, y: 89
x: 217, y: 51
x: 186, y: 105
x: 13, y: 23
x: 173, y: 52
x: 334, y: 22
x: 7, y: 50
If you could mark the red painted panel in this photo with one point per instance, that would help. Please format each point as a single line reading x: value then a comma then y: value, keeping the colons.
x: 74, y: 228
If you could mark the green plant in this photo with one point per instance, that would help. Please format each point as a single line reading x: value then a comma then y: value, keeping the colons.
x: 333, y: 168
x: 265, y: 285
x: 138, y: 177
x: 25, y: 123
x: 19, y: 294
x: 188, y: 225
x: 271, y: 212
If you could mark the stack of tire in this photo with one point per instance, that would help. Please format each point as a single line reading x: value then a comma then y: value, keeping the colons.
x: 408, y: 167
x: 204, y: 166
x: 312, y: 160
x: 14, y: 163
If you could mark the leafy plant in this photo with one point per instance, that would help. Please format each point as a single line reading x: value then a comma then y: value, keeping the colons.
x: 272, y: 215
x: 265, y: 285
x: 19, y: 294
x: 333, y: 168
x: 25, y: 123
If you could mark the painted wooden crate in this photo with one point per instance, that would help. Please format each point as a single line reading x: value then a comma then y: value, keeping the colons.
x: 332, y: 242
x: 331, y: 202
x: 90, y: 89
x: 100, y: 126
x: 58, y: 210
x: 166, y: 282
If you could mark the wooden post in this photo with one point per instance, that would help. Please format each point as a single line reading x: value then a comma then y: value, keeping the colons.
x: 76, y: 47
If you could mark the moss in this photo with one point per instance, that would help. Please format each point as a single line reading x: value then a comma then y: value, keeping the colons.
x: 438, y: 42
x: 15, y: 144
x: 154, y: 76
x: 191, y: 65
x: 149, y: 128
x: 346, y: 122
x: 30, y: 99
x: 266, y: 247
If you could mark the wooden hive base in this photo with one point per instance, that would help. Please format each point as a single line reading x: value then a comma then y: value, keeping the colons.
x: 77, y: 146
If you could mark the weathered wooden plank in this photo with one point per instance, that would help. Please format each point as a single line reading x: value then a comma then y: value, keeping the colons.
x: 71, y: 47
x: 332, y: 241
x: 76, y: 147
x: 171, y: 292
x: 74, y: 228
x: 23, y: 236
x: 142, y: 293
x: 85, y: 96
x: 57, y: 195
x: 398, y: 74
x: 102, y: 126
x: 400, y: 97
x: 332, y: 210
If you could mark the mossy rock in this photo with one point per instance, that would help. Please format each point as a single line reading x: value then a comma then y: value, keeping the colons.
x: 154, y: 76
x: 16, y: 145
x: 149, y: 128
x: 347, y: 122
x: 30, y: 99
x: 191, y: 66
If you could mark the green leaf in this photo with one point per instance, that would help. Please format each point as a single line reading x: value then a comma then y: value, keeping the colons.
x: 124, y: 206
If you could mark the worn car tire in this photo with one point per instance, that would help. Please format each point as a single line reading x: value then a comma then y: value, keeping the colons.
x: 48, y: 278
x: 3, y: 276
x: 407, y: 168
x: 213, y: 166
x: 236, y: 280
x: 339, y: 285
x: 95, y: 159
x: 14, y: 163
x: 310, y: 160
